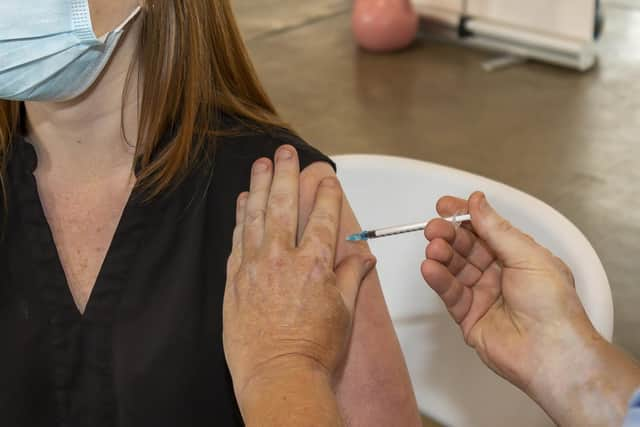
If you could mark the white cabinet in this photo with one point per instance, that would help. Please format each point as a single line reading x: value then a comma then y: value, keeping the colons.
x: 565, y: 18
x: 445, y: 5
x: 556, y: 31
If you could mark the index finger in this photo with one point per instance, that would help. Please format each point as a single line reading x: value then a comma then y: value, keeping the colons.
x: 449, y: 206
x: 281, y: 223
x: 321, y: 233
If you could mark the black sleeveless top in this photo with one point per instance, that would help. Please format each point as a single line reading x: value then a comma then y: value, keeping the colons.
x: 148, y: 350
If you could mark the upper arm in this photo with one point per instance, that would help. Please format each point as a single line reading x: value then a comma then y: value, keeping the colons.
x: 374, y: 388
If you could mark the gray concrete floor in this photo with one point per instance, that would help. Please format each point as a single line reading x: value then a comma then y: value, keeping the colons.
x: 570, y: 139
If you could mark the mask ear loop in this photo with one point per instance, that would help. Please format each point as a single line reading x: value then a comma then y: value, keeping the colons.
x: 130, y: 18
x: 122, y: 26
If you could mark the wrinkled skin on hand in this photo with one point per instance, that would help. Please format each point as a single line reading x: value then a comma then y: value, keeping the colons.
x: 514, y: 300
x: 517, y: 306
x: 286, y: 303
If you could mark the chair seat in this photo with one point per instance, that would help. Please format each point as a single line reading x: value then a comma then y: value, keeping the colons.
x: 451, y: 383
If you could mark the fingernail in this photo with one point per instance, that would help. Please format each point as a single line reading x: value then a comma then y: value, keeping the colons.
x: 285, y: 154
x: 260, y: 167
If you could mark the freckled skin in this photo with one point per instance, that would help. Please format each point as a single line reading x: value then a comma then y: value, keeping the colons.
x: 73, y: 213
x: 82, y: 190
x: 295, y: 309
x: 288, y: 308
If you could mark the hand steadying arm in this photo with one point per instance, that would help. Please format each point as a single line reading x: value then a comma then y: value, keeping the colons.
x: 288, y: 310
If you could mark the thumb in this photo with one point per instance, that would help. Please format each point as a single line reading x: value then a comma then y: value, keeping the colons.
x: 511, y: 246
x: 349, y: 277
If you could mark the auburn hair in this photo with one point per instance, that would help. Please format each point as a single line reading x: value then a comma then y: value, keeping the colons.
x: 193, y: 65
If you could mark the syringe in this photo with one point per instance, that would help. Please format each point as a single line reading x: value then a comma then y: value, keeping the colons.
x: 401, y: 229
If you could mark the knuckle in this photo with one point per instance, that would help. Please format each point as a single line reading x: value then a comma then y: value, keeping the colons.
x: 316, y: 253
x: 326, y: 217
x: 276, y: 256
x: 331, y: 185
x: 320, y: 270
x: 255, y: 215
x: 504, y: 226
x: 320, y: 245
x: 282, y: 217
x: 564, y: 269
x: 559, y: 262
x: 241, y: 201
x: 282, y: 198
x: 324, y: 254
x: 319, y: 251
x: 545, y: 254
x: 320, y: 235
x: 277, y: 262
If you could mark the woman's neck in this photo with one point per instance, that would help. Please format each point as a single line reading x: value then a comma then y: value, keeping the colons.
x: 83, y: 139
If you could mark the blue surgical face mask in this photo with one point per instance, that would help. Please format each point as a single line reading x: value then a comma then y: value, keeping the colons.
x: 48, y: 50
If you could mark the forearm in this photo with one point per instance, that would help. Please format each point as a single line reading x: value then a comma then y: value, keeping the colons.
x: 291, y: 396
x: 590, y: 384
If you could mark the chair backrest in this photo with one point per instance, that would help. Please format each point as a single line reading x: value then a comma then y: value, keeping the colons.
x: 451, y: 384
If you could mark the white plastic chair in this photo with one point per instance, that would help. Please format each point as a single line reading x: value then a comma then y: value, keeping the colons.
x: 451, y: 384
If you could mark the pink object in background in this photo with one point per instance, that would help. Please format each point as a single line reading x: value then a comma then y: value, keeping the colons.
x: 384, y: 25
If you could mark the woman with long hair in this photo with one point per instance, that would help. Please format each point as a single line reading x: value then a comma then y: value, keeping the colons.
x: 127, y: 130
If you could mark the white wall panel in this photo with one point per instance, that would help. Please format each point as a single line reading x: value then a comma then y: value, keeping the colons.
x: 448, y: 5
x: 566, y: 18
